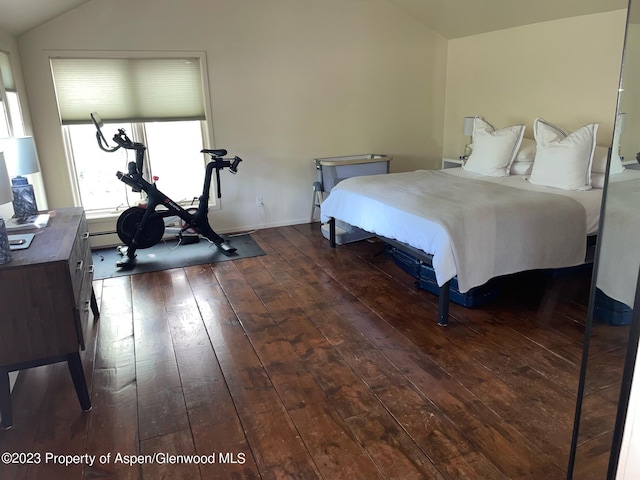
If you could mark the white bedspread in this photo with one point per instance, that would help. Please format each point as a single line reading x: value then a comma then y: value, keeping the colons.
x: 619, y: 260
x: 474, y: 229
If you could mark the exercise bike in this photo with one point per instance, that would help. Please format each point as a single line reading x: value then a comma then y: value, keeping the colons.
x: 143, y: 226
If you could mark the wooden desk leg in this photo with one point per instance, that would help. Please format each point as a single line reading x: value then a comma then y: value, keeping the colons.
x: 5, y: 400
x: 79, y: 382
x: 94, y: 305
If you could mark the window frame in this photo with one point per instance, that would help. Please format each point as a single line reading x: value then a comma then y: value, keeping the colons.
x: 206, y: 125
x: 11, y: 117
x: 137, y: 133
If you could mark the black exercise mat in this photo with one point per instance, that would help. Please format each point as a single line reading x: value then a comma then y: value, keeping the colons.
x: 169, y: 254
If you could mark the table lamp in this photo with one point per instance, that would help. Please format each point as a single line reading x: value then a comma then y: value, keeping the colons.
x: 6, y: 196
x: 22, y: 159
x: 467, y: 130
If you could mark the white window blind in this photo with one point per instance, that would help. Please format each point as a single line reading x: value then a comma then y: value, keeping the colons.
x: 128, y: 89
x: 6, y: 73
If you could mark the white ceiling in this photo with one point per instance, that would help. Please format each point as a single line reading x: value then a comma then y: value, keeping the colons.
x: 450, y: 18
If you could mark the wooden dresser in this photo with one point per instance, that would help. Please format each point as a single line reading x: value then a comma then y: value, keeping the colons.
x: 46, y: 296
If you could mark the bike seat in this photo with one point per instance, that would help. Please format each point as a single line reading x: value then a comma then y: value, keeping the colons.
x: 219, y: 152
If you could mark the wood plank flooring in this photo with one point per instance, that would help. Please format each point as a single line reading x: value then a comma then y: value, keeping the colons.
x: 308, y: 363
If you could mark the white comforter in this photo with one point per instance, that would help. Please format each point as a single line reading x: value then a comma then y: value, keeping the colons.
x: 619, y: 258
x: 475, y: 227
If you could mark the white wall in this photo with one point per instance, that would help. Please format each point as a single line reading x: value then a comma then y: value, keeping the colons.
x: 565, y: 71
x: 290, y: 80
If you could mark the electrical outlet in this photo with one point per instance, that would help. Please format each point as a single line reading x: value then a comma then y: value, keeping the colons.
x: 259, y: 202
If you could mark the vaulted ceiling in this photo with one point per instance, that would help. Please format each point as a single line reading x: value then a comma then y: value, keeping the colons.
x: 462, y: 18
x: 450, y: 18
x: 19, y: 16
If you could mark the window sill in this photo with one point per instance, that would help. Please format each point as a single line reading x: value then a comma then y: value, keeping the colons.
x: 97, y: 215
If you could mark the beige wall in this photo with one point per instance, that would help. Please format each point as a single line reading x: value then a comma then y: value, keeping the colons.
x: 290, y: 81
x: 565, y: 71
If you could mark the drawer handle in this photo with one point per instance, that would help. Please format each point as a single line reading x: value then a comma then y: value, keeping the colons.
x: 86, y: 306
x: 85, y: 235
x: 90, y: 269
x: 79, y: 265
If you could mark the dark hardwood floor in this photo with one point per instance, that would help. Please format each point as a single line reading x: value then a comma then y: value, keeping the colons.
x: 311, y: 363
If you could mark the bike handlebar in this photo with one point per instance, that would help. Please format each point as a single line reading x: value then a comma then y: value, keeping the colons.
x: 233, y: 168
x: 123, y: 141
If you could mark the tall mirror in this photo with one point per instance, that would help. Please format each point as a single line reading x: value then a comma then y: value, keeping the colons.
x: 611, y: 339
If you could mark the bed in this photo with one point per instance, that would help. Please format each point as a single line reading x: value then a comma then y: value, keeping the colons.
x: 618, y: 262
x: 475, y: 226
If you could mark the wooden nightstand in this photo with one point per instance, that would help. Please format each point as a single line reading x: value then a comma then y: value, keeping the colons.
x: 46, y: 297
x: 452, y: 162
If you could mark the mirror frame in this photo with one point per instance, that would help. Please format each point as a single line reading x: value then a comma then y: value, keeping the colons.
x: 634, y: 332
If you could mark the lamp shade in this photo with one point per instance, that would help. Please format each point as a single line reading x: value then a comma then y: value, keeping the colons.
x: 467, y: 126
x: 20, y: 155
x: 6, y: 194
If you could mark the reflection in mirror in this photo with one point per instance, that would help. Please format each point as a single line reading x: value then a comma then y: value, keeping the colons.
x: 597, y: 433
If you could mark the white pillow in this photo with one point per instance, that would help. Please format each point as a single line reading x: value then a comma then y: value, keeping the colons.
x: 597, y: 180
x: 527, y: 152
x: 599, y: 166
x: 523, y: 163
x: 521, y: 168
x: 493, y: 150
x: 600, y: 155
x: 563, y: 161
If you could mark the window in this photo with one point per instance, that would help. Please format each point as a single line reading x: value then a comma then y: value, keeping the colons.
x: 11, y: 124
x: 178, y: 164
x: 160, y: 102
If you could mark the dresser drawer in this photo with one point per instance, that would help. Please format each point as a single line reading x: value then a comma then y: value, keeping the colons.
x: 80, y: 260
x: 83, y: 301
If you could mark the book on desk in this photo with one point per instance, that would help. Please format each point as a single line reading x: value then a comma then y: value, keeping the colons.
x: 27, y: 223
